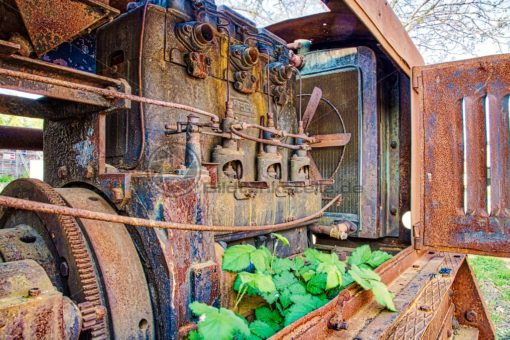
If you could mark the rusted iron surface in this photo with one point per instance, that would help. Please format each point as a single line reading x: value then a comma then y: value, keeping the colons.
x: 470, y: 307
x: 64, y: 237
x: 30, y: 306
x: 455, y: 99
x: 50, y: 23
x: 123, y: 279
x: 21, y: 138
x: 11, y: 202
x: 23, y: 242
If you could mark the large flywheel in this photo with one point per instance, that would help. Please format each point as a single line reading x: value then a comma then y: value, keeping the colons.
x: 94, y: 263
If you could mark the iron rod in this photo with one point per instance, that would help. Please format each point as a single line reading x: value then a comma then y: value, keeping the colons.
x: 18, y: 203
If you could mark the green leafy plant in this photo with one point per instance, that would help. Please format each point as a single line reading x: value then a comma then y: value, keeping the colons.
x: 6, y: 178
x: 218, y: 323
x: 292, y: 288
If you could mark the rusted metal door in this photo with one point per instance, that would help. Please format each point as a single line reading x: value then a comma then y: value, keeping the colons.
x: 461, y: 156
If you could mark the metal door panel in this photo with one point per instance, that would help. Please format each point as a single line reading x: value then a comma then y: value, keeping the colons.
x: 463, y: 143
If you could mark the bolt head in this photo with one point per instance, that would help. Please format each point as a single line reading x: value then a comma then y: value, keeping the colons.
x: 64, y: 269
x: 33, y: 292
x: 471, y: 315
x: 425, y: 308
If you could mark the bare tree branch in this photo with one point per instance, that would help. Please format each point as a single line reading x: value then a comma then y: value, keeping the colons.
x: 442, y: 29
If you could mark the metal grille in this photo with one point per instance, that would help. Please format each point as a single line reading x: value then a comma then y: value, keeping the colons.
x: 341, y: 89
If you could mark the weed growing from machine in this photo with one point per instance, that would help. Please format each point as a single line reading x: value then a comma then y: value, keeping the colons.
x: 292, y: 288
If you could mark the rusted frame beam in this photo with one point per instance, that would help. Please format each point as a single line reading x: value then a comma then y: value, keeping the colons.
x: 21, y: 138
x: 59, y: 89
x: 386, y: 27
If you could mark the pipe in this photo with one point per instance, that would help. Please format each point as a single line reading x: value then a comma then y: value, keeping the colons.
x: 275, y: 131
x: 339, y: 231
x: 267, y: 141
x: 18, y: 203
x: 107, y: 92
x: 21, y: 138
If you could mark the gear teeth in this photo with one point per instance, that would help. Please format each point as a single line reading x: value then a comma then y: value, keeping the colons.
x: 84, y: 265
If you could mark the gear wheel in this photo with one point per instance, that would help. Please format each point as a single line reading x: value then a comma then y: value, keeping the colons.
x: 66, y: 241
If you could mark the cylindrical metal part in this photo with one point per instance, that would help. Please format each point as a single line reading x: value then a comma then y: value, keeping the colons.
x: 21, y: 138
x: 339, y: 231
x: 204, y: 33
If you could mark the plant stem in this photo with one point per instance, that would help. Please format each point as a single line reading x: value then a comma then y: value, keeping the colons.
x: 240, y: 295
x: 273, y: 256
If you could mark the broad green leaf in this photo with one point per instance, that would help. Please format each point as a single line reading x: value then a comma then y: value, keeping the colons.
x: 250, y: 337
x: 334, y: 279
x: 358, y: 276
x: 317, y: 284
x: 194, y: 335
x: 364, y: 266
x: 237, y: 258
x: 347, y: 279
x: 360, y: 255
x: 261, y: 329
x: 199, y: 308
x: 262, y: 282
x: 237, y: 287
x: 270, y: 297
x: 281, y: 238
x: 312, y: 255
x: 260, y: 259
x: 280, y: 265
x: 334, y: 275
x: 303, y: 304
x: 330, y: 294
x: 284, y: 280
x: 307, y: 300
x: 377, y: 258
x: 382, y: 295
x: 306, y: 273
x: 297, y: 289
x: 268, y: 316
x: 298, y: 263
x: 284, y: 299
x: 296, y: 312
x: 219, y: 324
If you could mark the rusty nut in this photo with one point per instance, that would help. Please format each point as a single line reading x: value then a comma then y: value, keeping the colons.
x: 33, y: 292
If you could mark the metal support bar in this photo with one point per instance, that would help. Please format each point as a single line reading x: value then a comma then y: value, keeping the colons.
x: 21, y: 138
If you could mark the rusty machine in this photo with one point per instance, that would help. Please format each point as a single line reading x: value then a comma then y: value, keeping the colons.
x: 174, y: 128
